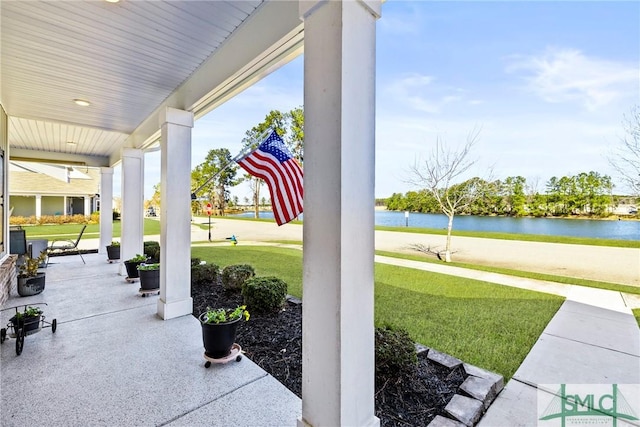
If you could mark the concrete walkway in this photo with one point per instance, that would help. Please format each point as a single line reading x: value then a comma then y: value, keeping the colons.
x: 113, y: 362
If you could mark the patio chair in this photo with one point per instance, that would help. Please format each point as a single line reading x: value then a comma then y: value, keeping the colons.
x: 63, y: 246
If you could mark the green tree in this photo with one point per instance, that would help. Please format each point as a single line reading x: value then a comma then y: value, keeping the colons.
x: 217, y: 164
x: 295, y: 134
x: 515, y: 197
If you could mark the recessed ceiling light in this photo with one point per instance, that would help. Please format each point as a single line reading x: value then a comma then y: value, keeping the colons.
x: 82, y: 102
x: 112, y: 1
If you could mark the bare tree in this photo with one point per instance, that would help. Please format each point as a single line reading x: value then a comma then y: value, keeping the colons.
x: 626, y: 157
x: 438, y: 175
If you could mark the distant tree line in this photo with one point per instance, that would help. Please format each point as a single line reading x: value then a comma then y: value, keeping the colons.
x: 582, y: 194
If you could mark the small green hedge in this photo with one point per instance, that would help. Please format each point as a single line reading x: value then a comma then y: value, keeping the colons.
x: 234, y: 276
x: 204, y: 274
x: 264, y: 294
x: 395, y: 352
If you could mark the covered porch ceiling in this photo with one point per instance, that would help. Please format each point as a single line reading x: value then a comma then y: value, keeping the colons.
x: 129, y: 60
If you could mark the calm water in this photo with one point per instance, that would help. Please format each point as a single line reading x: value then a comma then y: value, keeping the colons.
x: 624, y: 230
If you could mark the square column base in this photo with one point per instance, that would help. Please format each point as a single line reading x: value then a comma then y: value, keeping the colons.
x: 171, y: 310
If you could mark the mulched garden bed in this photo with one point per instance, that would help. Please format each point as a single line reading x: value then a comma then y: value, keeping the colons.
x: 274, y: 342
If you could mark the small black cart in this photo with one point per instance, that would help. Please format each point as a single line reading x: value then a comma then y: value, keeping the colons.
x: 20, y: 326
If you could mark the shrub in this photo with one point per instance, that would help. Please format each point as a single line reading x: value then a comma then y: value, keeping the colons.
x: 116, y: 215
x: 152, y: 250
x: 264, y: 294
x: 233, y: 276
x: 204, y: 274
x: 195, y: 261
x: 395, y: 352
x: 94, y: 218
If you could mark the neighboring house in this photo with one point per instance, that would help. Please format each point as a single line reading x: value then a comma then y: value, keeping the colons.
x: 46, y: 189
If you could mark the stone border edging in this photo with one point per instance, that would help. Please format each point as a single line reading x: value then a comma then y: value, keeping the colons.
x: 474, y: 396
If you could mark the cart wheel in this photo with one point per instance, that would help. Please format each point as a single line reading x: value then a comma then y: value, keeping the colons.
x: 54, y: 326
x: 238, y: 358
x: 19, y: 342
x: 207, y: 364
x: 144, y: 295
x: 3, y: 335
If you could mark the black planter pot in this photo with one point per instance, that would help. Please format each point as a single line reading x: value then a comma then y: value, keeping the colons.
x: 28, y: 286
x: 30, y: 323
x: 218, y: 338
x: 113, y: 252
x: 132, y: 269
x: 149, y: 279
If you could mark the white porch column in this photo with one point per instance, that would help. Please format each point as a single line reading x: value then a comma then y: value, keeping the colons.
x: 87, y: 205
x: 175, y: 213
x: 338, y: 330
x: 106, y: 209
x: 131, y: 220
x: 65, y: 203
x: 38, y: 205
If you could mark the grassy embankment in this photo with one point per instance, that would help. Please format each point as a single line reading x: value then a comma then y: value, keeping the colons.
x: 483, y: 324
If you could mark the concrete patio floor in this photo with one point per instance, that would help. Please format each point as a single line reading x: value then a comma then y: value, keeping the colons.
x: 113, y: 362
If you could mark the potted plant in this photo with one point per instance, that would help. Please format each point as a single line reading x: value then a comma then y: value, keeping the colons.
x: 113, y: 251
x: 149, y: 276
x: 132, y: 265
x: 28, y: 320
x: 30, y: 280
x: 219, y: 329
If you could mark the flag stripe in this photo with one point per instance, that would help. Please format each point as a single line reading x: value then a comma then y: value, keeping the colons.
x: 273, y: 163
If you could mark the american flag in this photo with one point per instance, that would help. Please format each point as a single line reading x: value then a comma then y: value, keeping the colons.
x: 273, y: 162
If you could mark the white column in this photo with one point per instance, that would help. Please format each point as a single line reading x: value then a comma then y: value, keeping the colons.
x: 175, y: 214
x: 87, y: 205
x: 338, y: 369
x: 131, y: 221
x: 65, y: 211
x: 106, y: 209
x: 38, y: 206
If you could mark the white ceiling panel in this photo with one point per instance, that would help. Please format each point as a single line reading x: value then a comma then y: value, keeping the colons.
x: 125, y: 58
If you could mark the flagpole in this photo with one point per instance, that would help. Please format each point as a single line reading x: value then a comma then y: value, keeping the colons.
x: 243, y: 153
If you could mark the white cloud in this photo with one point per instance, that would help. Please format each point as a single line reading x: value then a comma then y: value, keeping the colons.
x: 418, y: 92
x: 568, y: 75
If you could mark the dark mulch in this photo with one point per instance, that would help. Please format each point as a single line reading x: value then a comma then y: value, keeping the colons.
x: 274, y: 342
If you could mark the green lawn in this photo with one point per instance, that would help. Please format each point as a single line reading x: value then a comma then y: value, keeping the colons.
x: 70, y: 231
x: 487, y: 325
x: 636, y: 313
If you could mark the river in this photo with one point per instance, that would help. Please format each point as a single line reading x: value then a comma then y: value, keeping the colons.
x: 603, y: 229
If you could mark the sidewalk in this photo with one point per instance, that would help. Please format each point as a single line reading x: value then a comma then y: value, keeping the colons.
x: 592, y: 339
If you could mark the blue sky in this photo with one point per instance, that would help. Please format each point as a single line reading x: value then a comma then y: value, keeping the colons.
x: 547, y: 84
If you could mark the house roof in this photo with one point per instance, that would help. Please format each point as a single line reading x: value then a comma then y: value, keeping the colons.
x: 27, y: 178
